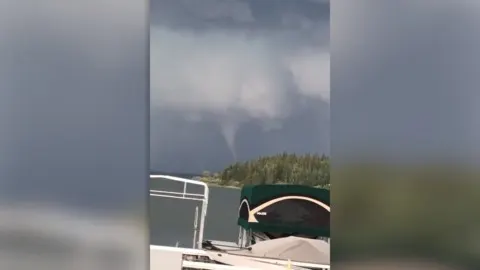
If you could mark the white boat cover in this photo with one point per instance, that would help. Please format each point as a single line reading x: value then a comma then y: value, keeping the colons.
x: 290, y: 248
x: 245, y: 262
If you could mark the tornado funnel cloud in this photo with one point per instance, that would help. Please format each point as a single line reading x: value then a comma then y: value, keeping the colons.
x: 229, y: 132
x: 239, y: 73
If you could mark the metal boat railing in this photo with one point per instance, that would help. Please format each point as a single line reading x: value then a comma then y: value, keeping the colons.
x: 184, y: 195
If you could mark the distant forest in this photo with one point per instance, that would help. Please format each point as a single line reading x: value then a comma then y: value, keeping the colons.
x: 284, y: 168
x: 309, y: 169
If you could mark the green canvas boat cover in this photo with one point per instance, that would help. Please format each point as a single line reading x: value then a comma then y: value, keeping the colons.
x: 285, y: 209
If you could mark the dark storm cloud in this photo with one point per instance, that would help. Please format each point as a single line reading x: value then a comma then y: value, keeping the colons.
x: 406, y: 84
x: 73, y: 91
x: 237, y: 14
x: 237, y: 79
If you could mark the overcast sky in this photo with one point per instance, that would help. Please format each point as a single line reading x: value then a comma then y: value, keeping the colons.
x: 236, y: 79
x: 72, y: 102
x: 405, y: 80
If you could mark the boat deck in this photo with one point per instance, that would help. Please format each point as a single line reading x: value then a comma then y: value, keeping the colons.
x: 175, y: 258
x: 163, y: 257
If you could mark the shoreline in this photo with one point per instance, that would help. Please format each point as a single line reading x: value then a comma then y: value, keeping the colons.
x: 222, y: 186
x: 216, y: 184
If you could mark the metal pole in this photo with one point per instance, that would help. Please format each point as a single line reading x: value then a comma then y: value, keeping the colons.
x: 239, y: 239
x: 195, y: 223
x: 202, y: 218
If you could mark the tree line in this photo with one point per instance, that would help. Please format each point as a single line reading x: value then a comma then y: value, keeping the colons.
x: 284, y: 168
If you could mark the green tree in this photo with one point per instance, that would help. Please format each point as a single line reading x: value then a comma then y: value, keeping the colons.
x: 308, y: 169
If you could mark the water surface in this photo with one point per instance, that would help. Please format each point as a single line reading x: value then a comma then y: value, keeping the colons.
x: 171, y: 220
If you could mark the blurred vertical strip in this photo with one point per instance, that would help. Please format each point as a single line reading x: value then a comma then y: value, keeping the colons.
x: 404, y: 101
x: 74, y: 157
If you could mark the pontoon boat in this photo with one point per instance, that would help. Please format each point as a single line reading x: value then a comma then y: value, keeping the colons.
x: 281, y: 227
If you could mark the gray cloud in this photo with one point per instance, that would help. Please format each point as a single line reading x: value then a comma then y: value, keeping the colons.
x: 238, y: 66
x: 405, y: 88
x: 63, y: 62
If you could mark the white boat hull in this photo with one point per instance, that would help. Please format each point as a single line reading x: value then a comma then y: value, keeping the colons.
x: 177, y: 258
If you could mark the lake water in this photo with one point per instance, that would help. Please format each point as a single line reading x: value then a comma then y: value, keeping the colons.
x: 171, y: 220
